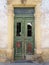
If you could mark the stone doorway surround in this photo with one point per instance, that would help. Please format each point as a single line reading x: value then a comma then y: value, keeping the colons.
x: 17, y: 3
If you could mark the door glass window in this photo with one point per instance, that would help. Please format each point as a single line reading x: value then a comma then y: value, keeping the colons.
x: 18, y: 29
x: 29, y: 29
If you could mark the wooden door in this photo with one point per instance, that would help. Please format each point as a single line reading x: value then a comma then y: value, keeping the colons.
x: 24, y: 33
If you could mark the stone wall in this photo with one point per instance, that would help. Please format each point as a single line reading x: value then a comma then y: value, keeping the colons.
x: 45, y: 24
x: 45, y: 29
x: 3, y: 29
x: 3, y: 24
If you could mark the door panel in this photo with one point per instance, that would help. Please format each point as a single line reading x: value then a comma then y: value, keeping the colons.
x: 18, y: 38
x: 24, y: 33
x: 29, y: 26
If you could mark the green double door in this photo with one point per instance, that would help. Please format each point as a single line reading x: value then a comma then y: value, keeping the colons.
x: 24, y: 33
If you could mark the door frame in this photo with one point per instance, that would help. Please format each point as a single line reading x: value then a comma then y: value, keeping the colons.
x: 37, y: 15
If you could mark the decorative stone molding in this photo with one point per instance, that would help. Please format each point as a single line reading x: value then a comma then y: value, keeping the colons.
x: 23, y: 1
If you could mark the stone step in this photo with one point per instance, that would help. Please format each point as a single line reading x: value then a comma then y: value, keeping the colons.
x: 23, y: 61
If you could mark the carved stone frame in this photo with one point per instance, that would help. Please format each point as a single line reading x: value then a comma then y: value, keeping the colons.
x: 11, y: 5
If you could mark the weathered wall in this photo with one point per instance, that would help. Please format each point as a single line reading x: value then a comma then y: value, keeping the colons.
x: 45, y: 29
x: 3, y: 24
x: 6, y: 36
x: 45, y: 24
x: 3, y: 29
